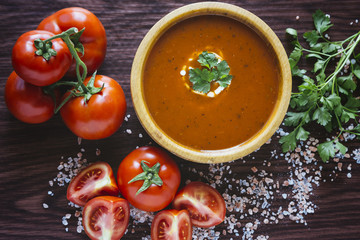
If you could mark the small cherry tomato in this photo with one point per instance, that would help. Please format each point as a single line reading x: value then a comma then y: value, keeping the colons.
x: 171, y: 225
x: 205, y: 204
x: 106, y: 217
x: 95, y: 180
x: 93, y: 38
x: 35, y: 69
x: 148, y: 178
x: 99, y: 117
x: 27, y: 102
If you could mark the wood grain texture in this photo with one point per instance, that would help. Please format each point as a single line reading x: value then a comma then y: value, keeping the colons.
x: 30, y: 154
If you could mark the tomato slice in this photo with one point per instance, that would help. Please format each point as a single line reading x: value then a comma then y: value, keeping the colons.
x: 95, y: 180
x: 106, y: 217
x: 171, y: 225
x: 204, y: 203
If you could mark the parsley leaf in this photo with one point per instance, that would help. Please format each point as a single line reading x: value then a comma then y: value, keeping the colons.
x: 312, y: 37
x: 321, y: 21
x: 288, y: 142
x: 322, y: 116
x: 200, y: 79
x: 326, y: 150
x: 325, y: 95
x: 208, y: 60
x: 213, y: 71
x: 294, y: 118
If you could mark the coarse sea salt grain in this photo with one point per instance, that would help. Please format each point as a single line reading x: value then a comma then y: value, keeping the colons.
x: 67, y: 169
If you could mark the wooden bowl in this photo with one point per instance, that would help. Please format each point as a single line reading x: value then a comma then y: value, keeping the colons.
x: 243, y: 16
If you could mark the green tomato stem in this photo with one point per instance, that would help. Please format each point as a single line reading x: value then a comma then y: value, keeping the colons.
x: 150, y: 175
x: 65, y: 36
x: 63, y: 102
x: 79, y: 87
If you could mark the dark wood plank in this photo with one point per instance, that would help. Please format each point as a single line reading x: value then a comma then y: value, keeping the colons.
x: 30, y: 154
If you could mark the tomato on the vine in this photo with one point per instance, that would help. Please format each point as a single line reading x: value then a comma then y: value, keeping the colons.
x: 106, y: 217
x: 100, y: 116
x: 148, y: 178
x: 29, y: 59
x: 205, y: 204
x: 27, y: 102
x: 93, y: 38
x: 95, y: 180
x: 171, y: 225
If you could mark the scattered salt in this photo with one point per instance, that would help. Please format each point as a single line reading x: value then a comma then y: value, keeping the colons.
x: 254, y: 202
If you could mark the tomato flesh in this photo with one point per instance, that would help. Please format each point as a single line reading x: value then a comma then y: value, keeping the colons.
x: 106, y: 217
x: 95, y: 180
x: 205, y: 205
x: 171, y: 225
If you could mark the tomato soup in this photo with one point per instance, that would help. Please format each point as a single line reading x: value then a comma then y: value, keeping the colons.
x: 229, y: 118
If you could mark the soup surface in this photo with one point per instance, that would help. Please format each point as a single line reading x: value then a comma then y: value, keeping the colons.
x: 235, y: 114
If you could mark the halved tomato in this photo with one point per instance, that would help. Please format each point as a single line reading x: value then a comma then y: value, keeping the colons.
x: 204, y: 203
x: 95, y: 180
x: 106, y: 218
x: 171, y: 225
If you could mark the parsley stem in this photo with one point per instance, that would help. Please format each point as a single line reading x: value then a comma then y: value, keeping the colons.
x: 350, y: 110
x: 344, y: 58
x: 318, y: 53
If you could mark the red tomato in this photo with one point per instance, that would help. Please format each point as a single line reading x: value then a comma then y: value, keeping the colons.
x: 171, y: 225
x: 27, y: 102
x: 34, y: 68
x: 93, y: 38
x: 95, y: 180
x: 101, y: 116
x: 155, y: 197
x: 205, y: 204
x: 106, y: 217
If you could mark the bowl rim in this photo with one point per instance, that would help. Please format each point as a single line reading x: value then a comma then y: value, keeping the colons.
x: 139, y: 62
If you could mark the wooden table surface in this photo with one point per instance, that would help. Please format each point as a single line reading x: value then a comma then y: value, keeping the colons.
x: 30, y: 154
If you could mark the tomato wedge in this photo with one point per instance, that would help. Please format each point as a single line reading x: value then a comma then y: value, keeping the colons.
x: 171, y: 225
x: 95, y: 180
x: 106, y: 218
x: 205, y: 205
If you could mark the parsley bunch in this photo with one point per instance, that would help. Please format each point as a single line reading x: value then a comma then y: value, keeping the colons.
x: 213, y: 70
x: 327, y: 98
